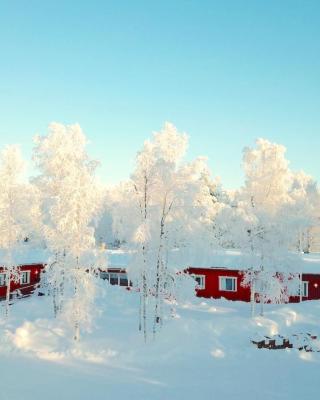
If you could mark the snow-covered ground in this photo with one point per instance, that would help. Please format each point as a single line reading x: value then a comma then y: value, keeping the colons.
x: 202, y: 353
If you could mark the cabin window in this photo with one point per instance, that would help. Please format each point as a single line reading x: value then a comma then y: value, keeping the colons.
x: 305, y: 287
x: 227, y: 284
x: 24, y: 277
x: 104, y: 275
x: 124, y: 280
x: 115, y: 278
x: 3, y: 279
x: 201, y: 281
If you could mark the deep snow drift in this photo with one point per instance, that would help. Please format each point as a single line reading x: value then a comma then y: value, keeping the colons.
x: 203, y: 352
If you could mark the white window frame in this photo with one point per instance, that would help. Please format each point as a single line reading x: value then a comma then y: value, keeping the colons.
x: 4, y: 279
x: 305, y: 288
x: 115, y: 275
x: 222, y: 287
x: 202, y: 285
x: 28, y: 274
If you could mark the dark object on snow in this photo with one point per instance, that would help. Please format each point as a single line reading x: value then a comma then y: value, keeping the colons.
x: 302, y: 341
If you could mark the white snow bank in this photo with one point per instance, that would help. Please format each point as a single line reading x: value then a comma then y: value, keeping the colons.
x: 206, y: 350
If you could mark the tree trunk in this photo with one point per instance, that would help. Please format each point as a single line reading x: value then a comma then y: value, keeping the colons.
x: 61, y: 291
x: 55, y: 300
x: 160, y: 268
x: 76, y: 305
x: 159, y: 271
x: 143, y: 284
x: 140, y: 310
x: 54, y: 286
x: 8, y: 293
x: 262, y: 287
x: 252, y: 296
x: 144, y: 306
x: 262, y: 300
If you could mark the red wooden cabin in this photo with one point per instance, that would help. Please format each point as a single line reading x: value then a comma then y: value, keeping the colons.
x: 29, y: 279
x: 225, y: 278
x: 227, y: 283
x: 220, y: 283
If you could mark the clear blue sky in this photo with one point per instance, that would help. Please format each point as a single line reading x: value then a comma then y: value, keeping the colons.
x: 226, y: 72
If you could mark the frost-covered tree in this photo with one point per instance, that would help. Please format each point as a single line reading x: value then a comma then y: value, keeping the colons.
x: 18, y: 211
x: 268, y: 218
x: 267, y: 176
x: 256, y: 222
x: 113, y: 203
x: 166, y: 206
x: 303, y: 210
x: 70, y: 201
x: 267, y: 181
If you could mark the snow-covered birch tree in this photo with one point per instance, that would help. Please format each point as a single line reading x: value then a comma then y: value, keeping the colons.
x: 302, y: 210
x: 256, y: 219
x: 70, y: 201
x: 167, y: 202
x: 13, y: 227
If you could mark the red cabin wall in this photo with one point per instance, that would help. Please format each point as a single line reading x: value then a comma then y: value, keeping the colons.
x: 212, y: 290
x: 28, y: 288
x: 313, y: 287
x: 212, y: 284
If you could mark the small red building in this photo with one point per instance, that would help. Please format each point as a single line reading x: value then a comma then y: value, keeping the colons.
x: 225, y: 279
x: 27, y: 282
x: 228, y: 283
x: 220, y: 283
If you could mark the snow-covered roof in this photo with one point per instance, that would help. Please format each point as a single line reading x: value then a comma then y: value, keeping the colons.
x: 233, y: 259
x: 230, y: 259
x: 26, y: 255
x: 178, y: 259
x: 118, y: 258
x: 311, y: 263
